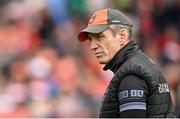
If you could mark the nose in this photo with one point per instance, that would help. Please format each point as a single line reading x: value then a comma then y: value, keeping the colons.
x: 94, y: 44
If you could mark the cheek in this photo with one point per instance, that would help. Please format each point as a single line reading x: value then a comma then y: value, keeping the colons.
x: 113, y: 48
x: 106, y: 50
x: 107, y: 47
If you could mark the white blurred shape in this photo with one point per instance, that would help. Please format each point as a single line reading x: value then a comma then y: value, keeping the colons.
x: 40, y: 67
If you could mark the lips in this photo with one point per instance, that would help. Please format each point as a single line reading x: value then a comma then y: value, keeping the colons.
x: 98, y: 54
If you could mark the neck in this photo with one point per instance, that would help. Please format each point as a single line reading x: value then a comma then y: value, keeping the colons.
x: 121, y: 56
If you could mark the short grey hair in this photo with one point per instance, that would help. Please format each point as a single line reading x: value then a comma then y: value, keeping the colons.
x: 114, y: 28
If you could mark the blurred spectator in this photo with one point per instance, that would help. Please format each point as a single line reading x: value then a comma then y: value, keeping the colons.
x: 171, y: 72
x: 15, y: 32
x: 78, y: 8
x: 58, y: 10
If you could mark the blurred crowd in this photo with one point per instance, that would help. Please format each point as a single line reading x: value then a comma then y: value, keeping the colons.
x: 46, y: 72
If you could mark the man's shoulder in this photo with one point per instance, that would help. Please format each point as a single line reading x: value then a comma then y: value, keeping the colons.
x: 138, y: 61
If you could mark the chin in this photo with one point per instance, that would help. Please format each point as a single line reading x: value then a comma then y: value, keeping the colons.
x: 102, y: 62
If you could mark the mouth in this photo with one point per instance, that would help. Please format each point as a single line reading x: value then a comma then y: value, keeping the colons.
x: 98, y: 54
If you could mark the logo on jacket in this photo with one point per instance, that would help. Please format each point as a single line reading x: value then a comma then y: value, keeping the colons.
x: 163, y: 88
x: 131, y: 94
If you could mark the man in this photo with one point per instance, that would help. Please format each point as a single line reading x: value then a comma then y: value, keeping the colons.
x: 138, y: 89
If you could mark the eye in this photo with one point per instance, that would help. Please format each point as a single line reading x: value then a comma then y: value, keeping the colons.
x: 89, y: 39
x: 101, y: 36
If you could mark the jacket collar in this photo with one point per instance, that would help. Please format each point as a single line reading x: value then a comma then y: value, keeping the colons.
x: 121, y: 56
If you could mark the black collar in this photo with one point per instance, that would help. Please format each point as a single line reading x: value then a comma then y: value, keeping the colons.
x: 121, y: 56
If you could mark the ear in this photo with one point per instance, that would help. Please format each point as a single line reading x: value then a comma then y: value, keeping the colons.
x: 123, y: 33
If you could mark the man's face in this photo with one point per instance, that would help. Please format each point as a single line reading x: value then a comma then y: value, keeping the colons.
x: 104, y: 45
